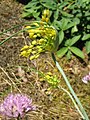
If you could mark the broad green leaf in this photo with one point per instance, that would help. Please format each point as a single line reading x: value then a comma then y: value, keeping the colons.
x: 61, y: 36
x: 56, y: 14
x: 67, y: 42
x: 56, y: 24
x: 86, y: 36
x: 26, y: 14
x: 30, y: 4
x: 77, y: 52
x: 76, y: 20
x: 74, y: 29
x: 68, y: 55
x: 66, y: 14
x: 69, y: 25
x: 49, y: 4
x: 87, y: 45
x: 74, y: 40
x: 63, y: 23
x: 62, y: 51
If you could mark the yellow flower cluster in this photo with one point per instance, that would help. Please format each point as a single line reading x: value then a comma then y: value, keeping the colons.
x: 43, y: 38
x: 51, y: 79
x: 46, y: 16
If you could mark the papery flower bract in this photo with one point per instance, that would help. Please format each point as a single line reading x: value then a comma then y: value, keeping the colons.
x: 86, y: 78
x: 15, y: 106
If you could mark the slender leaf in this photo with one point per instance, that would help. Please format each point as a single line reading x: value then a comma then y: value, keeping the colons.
x: 87, y: 45
x: 56, y: 14
x: 61, y: 36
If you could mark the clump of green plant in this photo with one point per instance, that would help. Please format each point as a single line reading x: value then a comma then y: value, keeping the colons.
x: 71, y: 20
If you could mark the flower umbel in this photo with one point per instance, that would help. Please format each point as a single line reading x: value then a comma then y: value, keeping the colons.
x: 43, y: 38
x: 15, y: 106
x: 51, y: 79
x: 86, y: 78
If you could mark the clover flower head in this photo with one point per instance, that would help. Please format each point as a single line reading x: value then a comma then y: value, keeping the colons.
x: 15, y: 106
x: 86, y: 78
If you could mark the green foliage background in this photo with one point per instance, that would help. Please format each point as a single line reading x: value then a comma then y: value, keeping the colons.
x: 70, y: 18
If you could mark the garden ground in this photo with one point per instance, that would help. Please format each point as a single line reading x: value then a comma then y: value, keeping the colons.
x: 17, y: 75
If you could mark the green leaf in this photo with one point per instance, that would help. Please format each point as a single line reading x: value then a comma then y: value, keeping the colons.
x: 56, y: 14
x: 26, y: 14
x: 69, y: 25
x: 77, y: 52
x: 66, y: 14
x: 63, y: 23
x: 68, y: 55
x: 86, y: 36
x: 49, y: 4
x: 74, y: 29
x: 87, y: 45
x: 61, y: 36
x: 74, y: 40
x: 62, y: 51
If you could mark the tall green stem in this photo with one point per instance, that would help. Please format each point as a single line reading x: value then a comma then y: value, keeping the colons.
x: 70, y: 88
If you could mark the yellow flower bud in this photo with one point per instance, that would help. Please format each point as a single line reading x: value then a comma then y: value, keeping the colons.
x: 49, y: 73
x: 33, y: 52
x: 25, y: 47
x: 36, y: 56
x: 43, y: 19
x: 34, y: 36
x: 47, y: 77
x: 31, y: 35
x: 31, y: 46
x: 38, y: 47
x: 34, y: 42
x: 32, y: 57
x: 28, y: 28
x: 47, y: 19
x: 23, y: 53
x: 48, y: 12
x: 36, y: 24
x: 40, y: 50
x: 29, y: 51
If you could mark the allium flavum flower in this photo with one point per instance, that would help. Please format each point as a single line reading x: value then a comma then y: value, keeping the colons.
x: 43, y: 38
x: 15, y: 106
x: 51, y: 79
x: 86, y: 78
